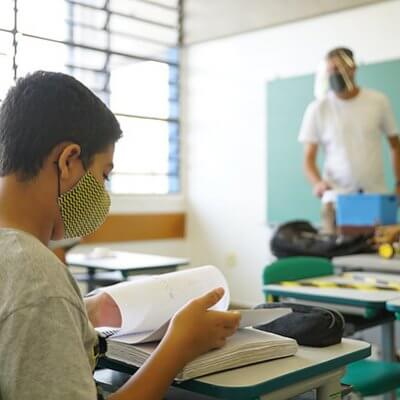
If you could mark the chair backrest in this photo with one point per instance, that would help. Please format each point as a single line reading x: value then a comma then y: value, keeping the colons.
x: 295, y: 268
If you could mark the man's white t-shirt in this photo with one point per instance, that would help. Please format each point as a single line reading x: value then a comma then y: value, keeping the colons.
x: 350, y: 133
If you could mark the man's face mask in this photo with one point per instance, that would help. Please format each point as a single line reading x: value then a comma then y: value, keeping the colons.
x: 340, y: 80
x: 83, y: 208
x: 337, y: 82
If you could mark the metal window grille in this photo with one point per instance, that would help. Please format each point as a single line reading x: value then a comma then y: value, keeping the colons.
x: 127, y: 52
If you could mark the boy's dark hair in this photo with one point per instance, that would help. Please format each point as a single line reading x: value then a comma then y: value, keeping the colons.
x: 44, y: 109
x: 337, y: 52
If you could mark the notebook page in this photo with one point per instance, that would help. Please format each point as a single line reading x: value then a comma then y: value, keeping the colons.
x: 147, y: 304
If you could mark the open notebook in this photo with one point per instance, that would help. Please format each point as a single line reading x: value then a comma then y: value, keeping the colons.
x: 148, y: 304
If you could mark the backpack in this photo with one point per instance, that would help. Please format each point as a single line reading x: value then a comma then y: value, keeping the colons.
x: 300, y: 238
x: 308, y: 325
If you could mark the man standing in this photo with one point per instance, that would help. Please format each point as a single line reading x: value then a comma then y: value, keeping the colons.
x: 348, y: 123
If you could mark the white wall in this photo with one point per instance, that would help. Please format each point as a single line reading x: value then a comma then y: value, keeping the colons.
x: 224, y: 128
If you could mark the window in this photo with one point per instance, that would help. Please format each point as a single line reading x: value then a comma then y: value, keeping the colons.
x: 127, y: 52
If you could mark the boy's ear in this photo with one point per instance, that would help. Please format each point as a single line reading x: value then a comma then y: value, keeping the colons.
x: 67, y: 159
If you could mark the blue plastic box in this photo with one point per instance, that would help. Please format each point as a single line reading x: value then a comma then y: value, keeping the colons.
x: 366, y: 209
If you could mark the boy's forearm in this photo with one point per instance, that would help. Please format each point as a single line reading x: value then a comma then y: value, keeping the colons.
x: 153, y: 379
x: 102, y: 310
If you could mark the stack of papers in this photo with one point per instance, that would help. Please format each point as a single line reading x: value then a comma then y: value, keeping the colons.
x: 246, y: 346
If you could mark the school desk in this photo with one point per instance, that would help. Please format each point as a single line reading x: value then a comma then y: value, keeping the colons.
x: 310, y: 368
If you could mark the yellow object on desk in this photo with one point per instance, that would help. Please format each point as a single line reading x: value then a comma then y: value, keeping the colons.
x: 386, y: 251
x: 321, y: 284
x: 380, y: 283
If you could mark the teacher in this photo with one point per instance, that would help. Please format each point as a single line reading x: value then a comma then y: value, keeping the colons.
x: 347, y: 123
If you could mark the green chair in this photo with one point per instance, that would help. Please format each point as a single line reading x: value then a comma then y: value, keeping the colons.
x: 295, y: 268
x: 368, y: 377
x: 373, y: 378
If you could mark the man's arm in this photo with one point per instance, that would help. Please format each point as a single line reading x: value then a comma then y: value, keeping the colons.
x: 311, y: 169
x: 395, y: 153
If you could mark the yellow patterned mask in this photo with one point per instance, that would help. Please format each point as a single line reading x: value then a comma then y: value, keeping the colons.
x: 84, y: 208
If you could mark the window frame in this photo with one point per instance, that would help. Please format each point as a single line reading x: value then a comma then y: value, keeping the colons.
x: 174, y: 157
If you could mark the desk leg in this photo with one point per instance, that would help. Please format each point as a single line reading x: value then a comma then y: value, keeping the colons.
x: 390, y: 396
x: 388, y: 350
x: 327, y: 385
x: 330, y: 390
x: 91, y: 284
x: 387, y: 340
x: 125, y: 275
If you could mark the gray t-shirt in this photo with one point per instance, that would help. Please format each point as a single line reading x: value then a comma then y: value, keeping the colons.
x: 46, y: 339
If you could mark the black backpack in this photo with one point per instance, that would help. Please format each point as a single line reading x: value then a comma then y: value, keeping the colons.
x: 300, y: 238
x: 308, y: 325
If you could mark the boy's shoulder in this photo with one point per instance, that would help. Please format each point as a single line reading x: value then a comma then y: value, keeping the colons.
x: 31, y: 273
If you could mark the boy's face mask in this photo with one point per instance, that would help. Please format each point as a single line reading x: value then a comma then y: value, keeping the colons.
x: 83, y: 208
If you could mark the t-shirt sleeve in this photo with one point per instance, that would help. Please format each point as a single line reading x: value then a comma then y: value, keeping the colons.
x: 43, y: 355
x: 309, y: 132
x: 388, y: 121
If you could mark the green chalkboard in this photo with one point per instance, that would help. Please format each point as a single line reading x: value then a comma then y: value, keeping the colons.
x: 288, y: 193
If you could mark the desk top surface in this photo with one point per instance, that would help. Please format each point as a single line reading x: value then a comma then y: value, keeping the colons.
x: 254, y: 380
x: 105, y: 258
x: 339, y: 295
x: 368, y: 262
x: 393, y: 305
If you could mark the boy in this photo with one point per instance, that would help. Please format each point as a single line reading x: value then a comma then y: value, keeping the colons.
x: 56, y: 148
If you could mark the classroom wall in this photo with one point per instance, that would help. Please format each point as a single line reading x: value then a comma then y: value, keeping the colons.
x: 224, y: 128
x: 153, y: 224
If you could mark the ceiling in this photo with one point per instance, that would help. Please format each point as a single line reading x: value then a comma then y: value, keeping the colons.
x: 212, y: 19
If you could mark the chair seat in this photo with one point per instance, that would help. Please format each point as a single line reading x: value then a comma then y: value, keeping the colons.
x: 371, y: 377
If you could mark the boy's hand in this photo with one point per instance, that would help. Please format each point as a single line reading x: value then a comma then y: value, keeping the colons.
x: 196, y: 330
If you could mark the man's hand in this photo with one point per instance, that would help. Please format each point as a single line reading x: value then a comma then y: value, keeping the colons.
x: 103, y: 311
x: 320, y: 188
x: 196, y: 329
